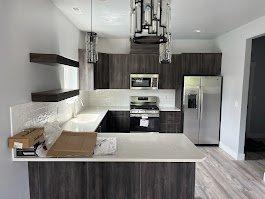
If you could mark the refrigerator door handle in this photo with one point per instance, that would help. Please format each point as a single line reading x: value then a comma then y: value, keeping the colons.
x: 201, y: 102
x: 198, y: 104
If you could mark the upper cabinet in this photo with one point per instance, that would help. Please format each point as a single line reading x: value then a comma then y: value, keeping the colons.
x: 143, y: 63
x: 101, y: 72
x: 119, y: 71
x: 169, y: 73
x: 201, y: 63
x: 113, y: 70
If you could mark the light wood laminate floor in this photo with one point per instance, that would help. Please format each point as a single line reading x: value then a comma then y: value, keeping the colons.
x: 219, y: 176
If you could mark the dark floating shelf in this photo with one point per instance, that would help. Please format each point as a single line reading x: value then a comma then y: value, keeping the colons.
x: 52, y: 59
x: 53, y: 95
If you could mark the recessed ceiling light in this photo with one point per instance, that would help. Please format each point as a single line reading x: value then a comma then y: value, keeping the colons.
x: 77, y: 10
x: 197, y: 30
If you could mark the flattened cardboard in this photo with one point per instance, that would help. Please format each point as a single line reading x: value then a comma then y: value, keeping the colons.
x: 26, y: 138
x: 73, y: 144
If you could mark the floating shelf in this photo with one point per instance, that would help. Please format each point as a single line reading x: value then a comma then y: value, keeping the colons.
x: 53, y: 95
x: 52, y: 59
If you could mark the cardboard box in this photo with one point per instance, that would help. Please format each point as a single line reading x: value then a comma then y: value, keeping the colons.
x: 26, y: 138
x: 73, y: 144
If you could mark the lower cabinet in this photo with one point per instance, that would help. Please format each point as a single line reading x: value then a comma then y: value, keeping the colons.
x: 170, y: 122
x: 111, y: 180
x: 119, y: 121
x: 115, y: 121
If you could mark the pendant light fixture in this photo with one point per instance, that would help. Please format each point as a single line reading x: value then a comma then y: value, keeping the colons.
x: 91, y: 43
x: 165, y: 51
x: 150, y: 21
x: 150, y: 24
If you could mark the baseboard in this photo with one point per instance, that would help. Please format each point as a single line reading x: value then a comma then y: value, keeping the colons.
x: 229, y: 151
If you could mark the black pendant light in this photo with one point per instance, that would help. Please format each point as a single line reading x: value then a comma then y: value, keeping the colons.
x: 150, y: 24
x: 150, y: 20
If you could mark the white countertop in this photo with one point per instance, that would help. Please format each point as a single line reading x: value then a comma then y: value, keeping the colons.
x: 89, y: 119
x: 131, y: 147
x: 142, y: 147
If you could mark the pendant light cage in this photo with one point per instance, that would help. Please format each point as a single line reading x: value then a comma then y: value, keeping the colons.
x: 91, y: 47
x: 165, y: 51
x: 150, y: 21
x: 150, y: 24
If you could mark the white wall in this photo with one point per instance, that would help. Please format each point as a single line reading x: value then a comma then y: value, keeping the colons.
x: 122, y: 46
x: 236, y: 49
x: 29, y: 26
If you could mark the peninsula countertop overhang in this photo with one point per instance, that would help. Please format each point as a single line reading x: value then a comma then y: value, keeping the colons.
x: 141, y: 147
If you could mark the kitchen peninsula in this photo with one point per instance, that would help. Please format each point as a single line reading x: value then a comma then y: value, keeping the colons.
x: 146, y: 165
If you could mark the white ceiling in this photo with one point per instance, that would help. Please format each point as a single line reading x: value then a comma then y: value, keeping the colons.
x: 111, y: 18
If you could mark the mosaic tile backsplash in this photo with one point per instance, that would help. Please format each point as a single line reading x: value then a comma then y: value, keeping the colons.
x: 36, y: 114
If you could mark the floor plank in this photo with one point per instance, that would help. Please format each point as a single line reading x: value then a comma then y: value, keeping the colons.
x: 219, y: 176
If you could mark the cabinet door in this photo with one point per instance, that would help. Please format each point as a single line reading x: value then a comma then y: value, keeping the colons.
x: 121, y: 180
x: 118, y: 71
x: 119, y: 121
x: 44, y: 178
x: 169, y: 73
x: 101, y: 72
x: 192, y: 63
x: 144, y: 63
x: 212, y: 63
x: 170, y: 122
x: 201, y: 63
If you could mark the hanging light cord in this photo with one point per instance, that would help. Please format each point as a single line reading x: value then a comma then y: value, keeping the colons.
x: 91, y: 16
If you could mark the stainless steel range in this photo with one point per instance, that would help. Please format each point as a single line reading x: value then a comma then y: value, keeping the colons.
x: 144, y: 114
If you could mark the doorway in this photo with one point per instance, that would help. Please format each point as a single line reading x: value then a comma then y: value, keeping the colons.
x: 255, y: 124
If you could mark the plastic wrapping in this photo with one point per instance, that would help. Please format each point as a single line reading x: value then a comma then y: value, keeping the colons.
x: 51, y: 133
x: 41, y: 151
x: 105, y: 146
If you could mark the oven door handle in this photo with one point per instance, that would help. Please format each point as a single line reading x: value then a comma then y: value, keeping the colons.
x: 155, y: 115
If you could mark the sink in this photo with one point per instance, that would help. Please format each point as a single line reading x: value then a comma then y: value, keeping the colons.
x: 84, y: 118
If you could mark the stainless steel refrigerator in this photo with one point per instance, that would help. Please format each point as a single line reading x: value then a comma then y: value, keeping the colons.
x: 201, y: 105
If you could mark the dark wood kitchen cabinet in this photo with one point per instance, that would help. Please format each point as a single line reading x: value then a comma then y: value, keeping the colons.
x: 119, y: 121
x: 201, y: 63
x: 56, y: 180
x: 170, y: 122
x: 119, y: 71
x: 144, y: 63
x: 111, y: 180
x: 113, y: 70
x: 101, y: 72
x: 169, y: 74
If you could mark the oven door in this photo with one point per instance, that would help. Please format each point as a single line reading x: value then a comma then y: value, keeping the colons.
x: 140, y: 123
x: 141, y: 82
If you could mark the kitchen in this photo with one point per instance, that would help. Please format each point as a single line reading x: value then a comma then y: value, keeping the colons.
x: 150, y: 125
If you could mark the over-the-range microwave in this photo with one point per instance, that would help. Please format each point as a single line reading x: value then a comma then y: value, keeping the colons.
x: 144, y: 81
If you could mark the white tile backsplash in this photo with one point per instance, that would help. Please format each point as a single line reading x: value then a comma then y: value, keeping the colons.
x: 36, y: 114
x: 121, y: 97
